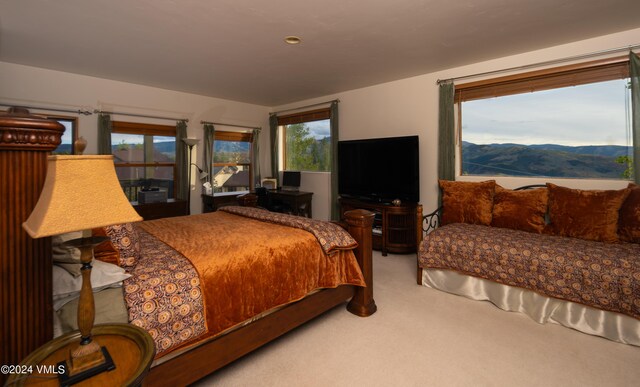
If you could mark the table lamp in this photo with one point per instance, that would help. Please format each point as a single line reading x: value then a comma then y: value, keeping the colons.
x: 81, y: 193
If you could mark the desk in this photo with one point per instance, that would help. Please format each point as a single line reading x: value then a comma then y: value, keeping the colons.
x: 298, y: 201
x: 211, y: 203
x: 172, y: 207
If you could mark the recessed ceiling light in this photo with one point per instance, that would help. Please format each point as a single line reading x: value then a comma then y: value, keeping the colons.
x: 292, y: 40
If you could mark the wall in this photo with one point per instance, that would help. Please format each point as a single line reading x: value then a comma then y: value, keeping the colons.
x: 403, y: 107
x: 24, y: 85
x: 410, y: 106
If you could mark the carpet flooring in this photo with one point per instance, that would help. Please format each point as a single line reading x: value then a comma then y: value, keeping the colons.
x: 425, y: 337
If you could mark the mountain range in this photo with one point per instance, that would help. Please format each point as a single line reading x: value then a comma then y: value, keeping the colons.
x: 547, y: 160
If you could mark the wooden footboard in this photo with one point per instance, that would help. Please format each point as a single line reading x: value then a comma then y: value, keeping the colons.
x: 220, y: 351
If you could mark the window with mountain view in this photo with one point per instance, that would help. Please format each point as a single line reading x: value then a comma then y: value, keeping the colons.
x: 307, y: 141
x: 573, y: 123
x: 232, y: 170
x: 144, y: 156
x: 69, y: 135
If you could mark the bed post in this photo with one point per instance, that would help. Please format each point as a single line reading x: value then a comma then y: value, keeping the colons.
x: 26, y: 310
x: 419, y: 231
x: 360, y: 222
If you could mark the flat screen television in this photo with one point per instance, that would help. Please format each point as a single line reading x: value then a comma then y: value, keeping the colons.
x: 379, y: 169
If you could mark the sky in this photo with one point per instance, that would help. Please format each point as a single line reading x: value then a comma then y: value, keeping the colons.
x: 66, y: 136
x: 319, y: 129
x: 592, y: 114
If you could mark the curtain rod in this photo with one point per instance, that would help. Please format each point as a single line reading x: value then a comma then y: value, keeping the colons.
x: 540, y: 64
x: 304, y: 107
x: 140, y: 115
x: 79, y: 111
x: 258, y: 128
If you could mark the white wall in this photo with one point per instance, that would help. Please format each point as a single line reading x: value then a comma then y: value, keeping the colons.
x: 404, y: 107
x: 24, y: 85
x: 410, y: 106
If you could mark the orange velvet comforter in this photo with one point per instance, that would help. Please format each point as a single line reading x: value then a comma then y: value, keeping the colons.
x: 247, y: 267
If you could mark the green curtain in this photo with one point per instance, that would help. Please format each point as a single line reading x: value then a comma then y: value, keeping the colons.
x: 255, y: 158
x: 104, y: 134
x: 273, y: 131
x: 182, y: 178
x: 335, y: 136
x: 634, y: 70
x: 446, y: 133
x: 209, y: 140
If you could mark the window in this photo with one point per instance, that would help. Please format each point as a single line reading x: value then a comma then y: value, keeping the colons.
x: 306, y: 141
x: 568, y: 122
x: 144, y: 156
x: 68, y: 137
x: 232, y: 156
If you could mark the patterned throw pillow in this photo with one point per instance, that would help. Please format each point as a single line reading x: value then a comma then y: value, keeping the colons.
x: 520, y: 210
x: 629, y: 223
x: 585, y: 214
x: 467, y: 202
x: 122, y: 248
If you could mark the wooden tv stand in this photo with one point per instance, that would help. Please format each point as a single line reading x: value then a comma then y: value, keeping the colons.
x: 394, y: 227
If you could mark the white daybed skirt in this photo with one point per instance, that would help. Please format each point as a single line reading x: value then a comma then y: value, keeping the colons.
x: 613, y: 326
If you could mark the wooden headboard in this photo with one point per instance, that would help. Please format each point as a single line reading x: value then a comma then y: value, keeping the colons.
x: 25, y: 283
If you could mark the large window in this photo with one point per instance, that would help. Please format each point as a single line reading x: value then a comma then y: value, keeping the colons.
x: 570, y: 122
x: 144, y: 156
x: 232, y: 170
x: 306, y: 141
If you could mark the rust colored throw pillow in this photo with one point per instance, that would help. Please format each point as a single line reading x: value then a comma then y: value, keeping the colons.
x: 467, y: 202
x: 122, y: 248
x: 629, y: 223
x: 585, y: 214
x: 520, y: 210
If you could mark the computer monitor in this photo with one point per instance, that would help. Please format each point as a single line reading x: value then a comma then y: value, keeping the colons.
x: 291, y: 180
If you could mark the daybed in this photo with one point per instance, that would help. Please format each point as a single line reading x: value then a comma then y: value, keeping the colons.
x: 211, y: 287
x: 562, y: 255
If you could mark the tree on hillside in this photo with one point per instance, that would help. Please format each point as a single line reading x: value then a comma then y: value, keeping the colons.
x: 628, y: 160
x: 305, y: 153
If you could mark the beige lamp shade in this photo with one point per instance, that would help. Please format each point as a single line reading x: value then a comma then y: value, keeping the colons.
x: 79, y: 193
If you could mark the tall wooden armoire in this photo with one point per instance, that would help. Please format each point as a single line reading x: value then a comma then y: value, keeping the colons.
x: 26, y: 305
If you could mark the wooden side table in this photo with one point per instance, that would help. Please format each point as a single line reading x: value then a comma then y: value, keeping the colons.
x: 130, y: 347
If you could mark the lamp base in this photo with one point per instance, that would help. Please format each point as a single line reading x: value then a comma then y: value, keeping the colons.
x: 73, y: 376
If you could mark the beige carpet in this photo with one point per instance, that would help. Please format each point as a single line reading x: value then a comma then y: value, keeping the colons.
x: 424, y: 337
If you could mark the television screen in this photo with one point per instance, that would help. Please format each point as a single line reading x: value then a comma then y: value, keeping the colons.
x: 380, y: 169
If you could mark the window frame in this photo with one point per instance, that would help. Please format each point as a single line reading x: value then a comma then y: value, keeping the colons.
x: 583, y: 73
x: 74, y: 128
x: 229, y: 135
x: 299, y: 118
x: 144, y: 129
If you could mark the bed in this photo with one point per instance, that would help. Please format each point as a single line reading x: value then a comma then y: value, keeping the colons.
x: 211, y: 287
x: 584, y: 284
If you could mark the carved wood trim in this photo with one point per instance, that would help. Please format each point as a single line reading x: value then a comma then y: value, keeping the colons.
x: 26, y: 310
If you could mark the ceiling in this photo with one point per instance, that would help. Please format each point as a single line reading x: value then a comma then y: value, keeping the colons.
x: 234, y: 49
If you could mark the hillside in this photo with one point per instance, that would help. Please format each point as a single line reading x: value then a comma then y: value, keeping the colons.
x: 548, y: 160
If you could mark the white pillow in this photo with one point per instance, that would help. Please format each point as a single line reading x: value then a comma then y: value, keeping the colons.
x: 65, y: 254
x: 67, y: 287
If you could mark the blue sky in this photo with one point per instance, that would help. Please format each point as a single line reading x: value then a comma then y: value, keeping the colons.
x: 592, y: 114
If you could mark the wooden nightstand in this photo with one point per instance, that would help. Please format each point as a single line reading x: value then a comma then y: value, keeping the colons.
x: 130, y: 347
